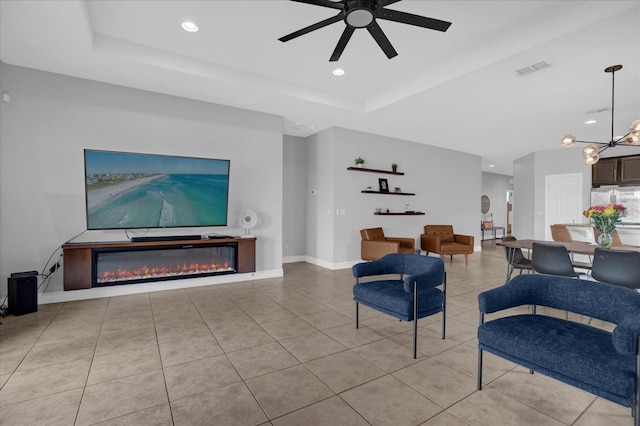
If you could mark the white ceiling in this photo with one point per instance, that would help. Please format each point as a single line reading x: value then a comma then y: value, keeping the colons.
x: 457, y: 89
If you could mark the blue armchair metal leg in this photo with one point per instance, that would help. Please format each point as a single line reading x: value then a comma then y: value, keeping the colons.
x: 415, y: 318
x: 357, y: 304
x: 479, y: 369
x: 479, y: 380
x: 444, y: 305
x: 635, y: 407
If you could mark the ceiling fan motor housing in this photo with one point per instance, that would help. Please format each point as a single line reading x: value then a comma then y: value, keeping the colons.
x: 359, y: 13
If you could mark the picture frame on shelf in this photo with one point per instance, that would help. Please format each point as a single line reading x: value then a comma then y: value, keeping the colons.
x: 384, y: 185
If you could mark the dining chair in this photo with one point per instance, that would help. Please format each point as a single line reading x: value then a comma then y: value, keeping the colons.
x: 560, y: 233
x: 552, y: 259
x: 515, y: 259
x: 618, y: 267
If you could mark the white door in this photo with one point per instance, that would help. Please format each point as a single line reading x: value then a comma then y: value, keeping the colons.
x: 563, y: 200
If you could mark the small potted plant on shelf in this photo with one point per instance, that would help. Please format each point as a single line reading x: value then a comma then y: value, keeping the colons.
x: 359, y: 162
x: 394, y: 167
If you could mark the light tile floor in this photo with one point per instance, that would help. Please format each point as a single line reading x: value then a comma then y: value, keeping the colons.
x: 278, y: 351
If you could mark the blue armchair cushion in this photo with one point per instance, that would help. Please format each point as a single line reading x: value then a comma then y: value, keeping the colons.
x: 390, y: 297
x: 574, y: 353
x: 592, y: 359
x: 395, y: 297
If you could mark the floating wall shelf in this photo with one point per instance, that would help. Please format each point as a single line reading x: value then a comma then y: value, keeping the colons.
x: 399, y: 213
x: 367, y: 191
x: 362, y: 169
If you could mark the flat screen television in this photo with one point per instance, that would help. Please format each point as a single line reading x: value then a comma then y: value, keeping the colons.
x: 125, y: 190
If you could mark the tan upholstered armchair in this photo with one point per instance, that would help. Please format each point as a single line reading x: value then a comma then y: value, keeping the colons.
x: 440, y: 239
x: 374, y: 244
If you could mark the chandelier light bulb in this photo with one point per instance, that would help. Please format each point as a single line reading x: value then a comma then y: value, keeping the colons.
x: 634, y: 129
x: 590, y: 151
x: 568, y: 140
x: 592, y: 160
x: 632, y: 139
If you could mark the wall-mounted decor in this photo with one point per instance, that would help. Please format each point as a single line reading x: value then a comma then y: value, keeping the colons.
x: 485, y: 204
x: 384, y: 185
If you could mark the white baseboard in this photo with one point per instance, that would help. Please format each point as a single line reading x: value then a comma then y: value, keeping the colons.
x: 294, y: 259
x: 122, y: 290
x: 330, y: 265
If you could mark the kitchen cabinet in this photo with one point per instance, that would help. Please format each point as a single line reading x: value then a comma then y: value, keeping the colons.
x: 621, y: 171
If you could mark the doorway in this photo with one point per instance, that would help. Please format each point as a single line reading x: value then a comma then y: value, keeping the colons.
x: 563, y: 200
x: 509, y: 211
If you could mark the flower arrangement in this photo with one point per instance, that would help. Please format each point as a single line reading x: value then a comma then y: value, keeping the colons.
x: 606, y: 217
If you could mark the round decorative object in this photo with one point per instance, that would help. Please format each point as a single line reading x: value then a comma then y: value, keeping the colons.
x: 485, y: 204
x: 248, y: 219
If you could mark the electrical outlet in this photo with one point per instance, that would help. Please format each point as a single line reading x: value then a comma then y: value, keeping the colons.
x: 54, y: 268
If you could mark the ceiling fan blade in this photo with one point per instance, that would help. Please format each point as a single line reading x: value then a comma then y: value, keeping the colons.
x: 325, y: 3
x: 384, y: 3
x: 382, y: 40
x: 313, y: 27
x: 411, y: 19
x: 342, y: 43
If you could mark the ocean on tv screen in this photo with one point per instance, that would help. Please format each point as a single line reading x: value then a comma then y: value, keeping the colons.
x: 147, y: 200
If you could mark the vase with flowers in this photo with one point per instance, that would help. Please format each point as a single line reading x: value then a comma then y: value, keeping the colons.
x: 605, y: 219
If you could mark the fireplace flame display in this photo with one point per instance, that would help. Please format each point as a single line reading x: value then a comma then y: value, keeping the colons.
x: 146, y: 273
x: 153, y: 264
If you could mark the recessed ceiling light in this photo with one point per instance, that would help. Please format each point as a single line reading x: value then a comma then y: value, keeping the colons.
x: 189, y: 26
x: 592, y: 121
x: 338, y: 71
x: 492, y: 165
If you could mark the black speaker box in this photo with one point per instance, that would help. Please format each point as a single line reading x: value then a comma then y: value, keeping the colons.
x: 23, y: 295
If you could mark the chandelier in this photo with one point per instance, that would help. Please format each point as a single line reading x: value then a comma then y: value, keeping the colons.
x: 591, y: 151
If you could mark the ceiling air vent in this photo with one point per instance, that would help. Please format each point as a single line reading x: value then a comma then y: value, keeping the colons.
x: 533, y: 68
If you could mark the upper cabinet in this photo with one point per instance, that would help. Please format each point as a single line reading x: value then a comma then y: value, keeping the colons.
x: 604, y: 172
x: 622, y: 171
x: 630, y: 170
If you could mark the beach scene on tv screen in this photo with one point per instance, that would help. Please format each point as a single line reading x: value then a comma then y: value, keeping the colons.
x: 127, y: 190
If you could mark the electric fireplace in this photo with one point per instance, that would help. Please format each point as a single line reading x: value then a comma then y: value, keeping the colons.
x: 119, y: 265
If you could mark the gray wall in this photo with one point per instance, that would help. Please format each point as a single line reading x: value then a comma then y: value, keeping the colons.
x: 529, y: 174
x: 294, y: 211
x: 446, y: 184
x: 52, y: 118
x: 495, y: 186
x: 320, y: 196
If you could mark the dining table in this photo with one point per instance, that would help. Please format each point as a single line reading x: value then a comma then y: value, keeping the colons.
x: 575, y: 247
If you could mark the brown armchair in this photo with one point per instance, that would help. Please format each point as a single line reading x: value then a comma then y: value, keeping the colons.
x: 441, y: 239
x: 374, y: 244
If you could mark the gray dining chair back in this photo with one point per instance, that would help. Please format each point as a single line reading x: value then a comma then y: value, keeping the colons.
x: 552, y: 259
x: 515, y: 258
x: 618, y: 267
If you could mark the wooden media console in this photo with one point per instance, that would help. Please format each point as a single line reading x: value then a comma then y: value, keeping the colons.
x: 127, y: 262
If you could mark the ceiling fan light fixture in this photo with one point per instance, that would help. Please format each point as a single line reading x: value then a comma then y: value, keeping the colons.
x: 338, y: 72
x: 359, y: 13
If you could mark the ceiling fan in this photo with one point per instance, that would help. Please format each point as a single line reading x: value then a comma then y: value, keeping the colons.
x: 363, y: 14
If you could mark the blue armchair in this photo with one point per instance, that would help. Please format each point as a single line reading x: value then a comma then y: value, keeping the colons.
x: 414, y: 295
x: 606, y: 364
